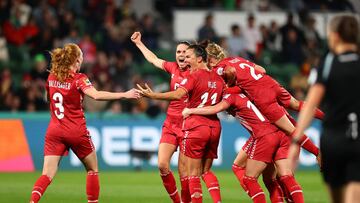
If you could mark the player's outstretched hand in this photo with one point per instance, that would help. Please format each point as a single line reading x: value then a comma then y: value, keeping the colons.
x: 136, y: 37
x: 293, y: 155
x: 132, y: 94
x: 186, y: 112
x: 145, y: 91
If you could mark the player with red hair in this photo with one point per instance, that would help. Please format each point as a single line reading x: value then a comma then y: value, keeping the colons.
x: 66, y: 88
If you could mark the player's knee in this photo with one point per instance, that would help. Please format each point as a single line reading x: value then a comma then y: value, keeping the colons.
x: 163, y: 167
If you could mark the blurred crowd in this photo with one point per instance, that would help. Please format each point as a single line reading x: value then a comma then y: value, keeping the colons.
x: 29, y: 29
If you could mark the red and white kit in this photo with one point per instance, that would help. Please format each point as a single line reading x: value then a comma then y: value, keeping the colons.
x: 202, y: 133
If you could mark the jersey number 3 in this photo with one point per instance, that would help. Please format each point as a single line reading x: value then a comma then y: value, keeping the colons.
x: 59, y: 112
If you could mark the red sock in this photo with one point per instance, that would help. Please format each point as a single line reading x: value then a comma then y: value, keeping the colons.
x: 170, y: 186
x: 195, y: 189
x: 239, y: 173
x: 39, y: 188
x: 293, y: 187
x: 275, y: 191
x: 308, y: 145
x: 92, y: 186
x: 185, y: 193
x: 318, y: 113
x: 213, y: 186
x: 255, y: 192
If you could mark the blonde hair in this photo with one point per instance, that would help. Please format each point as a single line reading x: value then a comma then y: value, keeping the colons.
x: 216, y: 51
x: 62, y: 59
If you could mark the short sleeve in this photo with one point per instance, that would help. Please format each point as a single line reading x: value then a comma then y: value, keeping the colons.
x: 229, y: 98
x: 83, y: 83
x: 188, y: 84
x: 170, y: 67
x: 321, y: 74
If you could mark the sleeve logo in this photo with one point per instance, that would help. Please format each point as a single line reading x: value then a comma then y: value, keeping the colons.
x: 220, y: 71
x: 87, y: 81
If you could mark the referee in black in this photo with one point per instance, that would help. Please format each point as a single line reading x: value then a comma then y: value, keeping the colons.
x: 336, y: 85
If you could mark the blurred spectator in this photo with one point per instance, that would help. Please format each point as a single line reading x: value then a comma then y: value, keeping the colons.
x: 236, y: 42
x: 4, y: 53
x: 6, y: 84
x: 284, y: 31
x: 150, y: 33
x: 252, y: 37
x: 88, y: 48
x: 121, y: 72
x: 292, y: 51
x: 207, y: 30
x: 273, y: 40
x: 310, y: 32
x: 39, y: 73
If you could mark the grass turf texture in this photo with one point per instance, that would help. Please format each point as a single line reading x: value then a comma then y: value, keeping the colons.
x: 137, y: 187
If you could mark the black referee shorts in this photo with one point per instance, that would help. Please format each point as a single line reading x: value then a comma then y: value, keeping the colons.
x: 340, y: 158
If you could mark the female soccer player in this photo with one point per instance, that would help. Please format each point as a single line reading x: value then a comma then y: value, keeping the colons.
x: 266, y: 144
x: 171, y: 130
x: 67, y: 128
x: 201, y: 133
x: 261, y: 89
x: 334, y: 83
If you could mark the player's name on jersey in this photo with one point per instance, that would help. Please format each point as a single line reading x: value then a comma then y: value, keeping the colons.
x: 61, y: 85
x: 212, y: 85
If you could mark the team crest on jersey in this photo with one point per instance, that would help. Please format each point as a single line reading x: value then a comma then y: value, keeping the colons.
x: 220, y: 71
x: 87, y: 81
x: 183, y: 82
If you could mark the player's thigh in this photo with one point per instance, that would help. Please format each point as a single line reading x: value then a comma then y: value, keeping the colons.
x: 90, y: 162
x: 241, y: 158
x: 254, y: 168
x: 283, y: 167
x: 352, y: 192
x: 50, y: 167
x: 165, y: 153
x: 194, y: 166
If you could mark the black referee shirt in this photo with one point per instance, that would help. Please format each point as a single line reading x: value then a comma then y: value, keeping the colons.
x: 340, y: 74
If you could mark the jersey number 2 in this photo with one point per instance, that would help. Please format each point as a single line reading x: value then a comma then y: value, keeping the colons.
x: 59, y: 112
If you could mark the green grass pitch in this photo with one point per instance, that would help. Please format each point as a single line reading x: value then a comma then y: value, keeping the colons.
x: 135, y: 187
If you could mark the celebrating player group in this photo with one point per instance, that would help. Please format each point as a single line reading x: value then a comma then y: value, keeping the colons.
x: 204, y: 81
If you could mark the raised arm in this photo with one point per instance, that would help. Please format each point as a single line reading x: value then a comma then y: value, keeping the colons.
x: 104, y: 95
x: 149, y: 55
x: 208, y: 110
x: 172, y: 95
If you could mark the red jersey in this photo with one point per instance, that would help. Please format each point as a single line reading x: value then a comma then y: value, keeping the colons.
x: 204, y: 88
x: 249, y: 116
x: 247, y: 77
x: 67, y: 116
x: 176, y: 106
